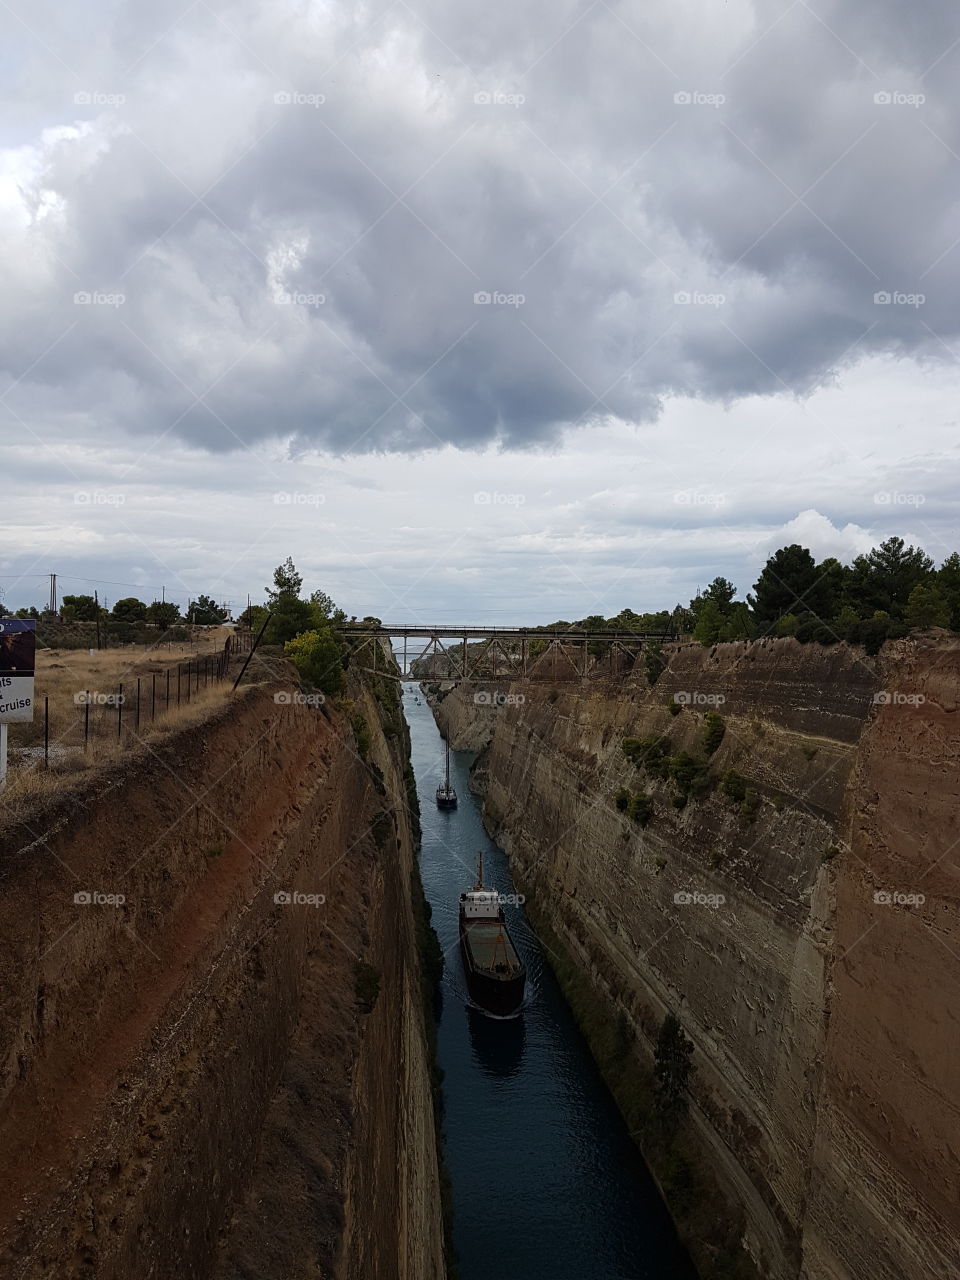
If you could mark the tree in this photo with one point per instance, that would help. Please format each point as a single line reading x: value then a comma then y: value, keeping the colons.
x: 322, y: 603
x: 883, y: 579
x: 163, y: 614
x: 318, y: 658
x: 722, y: 591
x: 926, y: 607
x: 710, y: 622
x: 787, y: 584
x: 738, y: 624
x: 30, y: 612
x: 79, y: 609
x: 205, y: 612
x: 671, y: 1065
x: 286, y: 583
x: 948, y: 580
x: 130, y: 609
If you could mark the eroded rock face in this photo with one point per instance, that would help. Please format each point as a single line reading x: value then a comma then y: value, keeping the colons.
x: 824, y: 1021
x: 188, y: 1084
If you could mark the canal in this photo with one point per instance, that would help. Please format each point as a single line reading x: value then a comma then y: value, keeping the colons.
x: 546, y: 1183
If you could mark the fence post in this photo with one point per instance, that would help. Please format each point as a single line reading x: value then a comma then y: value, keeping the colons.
x: 46, y: 733
x: 120, y: 713
x: 86, y: 722
x: 178, y: 684
x: 166, y: 705
x: 138, y: 705
x: 153, y: 696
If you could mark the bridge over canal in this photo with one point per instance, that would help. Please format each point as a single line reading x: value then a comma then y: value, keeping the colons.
x: 486, y: 653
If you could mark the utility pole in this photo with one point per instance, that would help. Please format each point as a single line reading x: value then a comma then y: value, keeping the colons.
x: 96, y: 601
x: 53, y: 593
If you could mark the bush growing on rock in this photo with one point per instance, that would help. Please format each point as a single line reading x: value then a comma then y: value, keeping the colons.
x: 734, y: 785
x: 714, y: 729
x: 640, y: 808
x: 690, y: 776
x: 648, y: 753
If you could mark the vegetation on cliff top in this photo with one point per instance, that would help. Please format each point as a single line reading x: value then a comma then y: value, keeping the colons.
x: 882, y: 595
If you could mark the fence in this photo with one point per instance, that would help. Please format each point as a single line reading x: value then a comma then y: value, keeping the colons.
x: 77, y: 722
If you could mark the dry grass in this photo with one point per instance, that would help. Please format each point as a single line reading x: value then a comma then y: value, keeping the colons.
x: 64, y: 676
x: 30, y: 784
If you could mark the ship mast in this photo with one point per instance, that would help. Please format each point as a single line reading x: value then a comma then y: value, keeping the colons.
x: 447, y: 745
x: 479, y: 884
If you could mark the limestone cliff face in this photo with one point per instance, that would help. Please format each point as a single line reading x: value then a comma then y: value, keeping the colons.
x: 825, y: 1089
x: 210, y: 1080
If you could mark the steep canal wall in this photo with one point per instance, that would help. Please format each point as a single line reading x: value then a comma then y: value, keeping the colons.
x: 798, y: 914
x: 227, y: 1073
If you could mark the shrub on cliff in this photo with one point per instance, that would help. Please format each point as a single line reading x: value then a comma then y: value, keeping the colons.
x: 690, y: 775
x: 622, y: 800
x: 927, y: 607
x: 648, y: 753
x: 318, y: 658
x: 734, y: 785
x: 713, y: 731
x: 640, y: 808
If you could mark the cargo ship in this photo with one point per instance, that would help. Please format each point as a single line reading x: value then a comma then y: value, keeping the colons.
x: 495, y: 973
x: 446, y: 795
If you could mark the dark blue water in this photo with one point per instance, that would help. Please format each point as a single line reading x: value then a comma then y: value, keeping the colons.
x: 547, y: 1184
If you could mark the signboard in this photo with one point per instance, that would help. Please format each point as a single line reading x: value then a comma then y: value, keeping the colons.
x: 18, y: 647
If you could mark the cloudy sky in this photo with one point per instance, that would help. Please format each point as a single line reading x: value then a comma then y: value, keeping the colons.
x: 486, y: 312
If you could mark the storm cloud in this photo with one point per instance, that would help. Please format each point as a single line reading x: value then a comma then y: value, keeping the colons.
x: 401, y: 225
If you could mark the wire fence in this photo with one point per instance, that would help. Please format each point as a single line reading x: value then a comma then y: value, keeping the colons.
x: 79, y: 722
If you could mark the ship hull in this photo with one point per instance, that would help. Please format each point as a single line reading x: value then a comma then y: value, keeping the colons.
x: 500, y: 995
x: 446, y: 802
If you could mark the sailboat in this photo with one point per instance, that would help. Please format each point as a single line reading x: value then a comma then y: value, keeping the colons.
x: 446, y: 796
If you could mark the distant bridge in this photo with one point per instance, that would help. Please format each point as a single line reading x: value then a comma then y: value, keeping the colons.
x: 495, y: 652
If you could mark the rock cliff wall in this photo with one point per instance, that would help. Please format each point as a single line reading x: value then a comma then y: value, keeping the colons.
x: 825, y: 1094
x: 226, y: 1073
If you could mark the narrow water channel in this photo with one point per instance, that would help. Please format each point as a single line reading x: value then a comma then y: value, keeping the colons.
x: 547, y: 1184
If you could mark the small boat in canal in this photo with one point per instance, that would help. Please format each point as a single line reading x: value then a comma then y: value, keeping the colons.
x: 496, y: 975
x: 446, y: 795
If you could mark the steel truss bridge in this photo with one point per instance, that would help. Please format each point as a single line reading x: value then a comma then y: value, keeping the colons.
x: 488, y: 653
